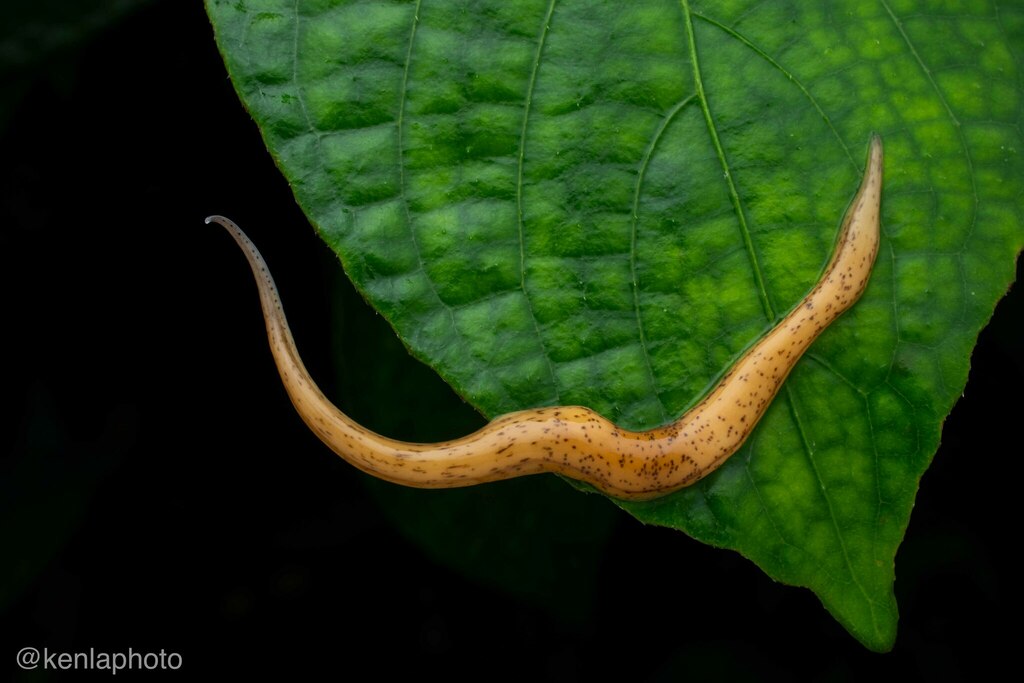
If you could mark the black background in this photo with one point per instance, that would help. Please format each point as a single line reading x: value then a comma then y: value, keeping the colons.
x: 159, y: 491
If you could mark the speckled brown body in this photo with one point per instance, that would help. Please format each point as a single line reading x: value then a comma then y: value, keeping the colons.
x: 576, y: 441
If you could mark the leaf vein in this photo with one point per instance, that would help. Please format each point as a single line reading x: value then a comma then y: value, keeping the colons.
x: 809, y: 451
x: 399, y: 123
x: 645, y: 161
x: 949, y: 111
x: 545, y: 27
x: 788, y: 74
x: 727, y: 174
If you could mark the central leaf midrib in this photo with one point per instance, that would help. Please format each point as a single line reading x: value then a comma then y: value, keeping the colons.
x: 720, y: 151
x: 762, y: 290
x: 791, y: 401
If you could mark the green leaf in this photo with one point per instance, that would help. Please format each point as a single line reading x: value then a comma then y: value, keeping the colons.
x: 605, y: 203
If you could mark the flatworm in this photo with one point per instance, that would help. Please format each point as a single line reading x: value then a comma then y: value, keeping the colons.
x: 574, y: 440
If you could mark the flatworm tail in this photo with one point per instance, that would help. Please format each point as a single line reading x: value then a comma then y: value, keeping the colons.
x: 573, y: 440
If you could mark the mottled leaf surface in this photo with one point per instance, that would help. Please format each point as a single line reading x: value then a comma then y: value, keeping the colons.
x: 604, y: 203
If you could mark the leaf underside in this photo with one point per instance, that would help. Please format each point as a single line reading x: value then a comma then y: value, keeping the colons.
x: 604, y: 204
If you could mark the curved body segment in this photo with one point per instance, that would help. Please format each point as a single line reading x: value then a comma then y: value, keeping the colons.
x: 573, y: 440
